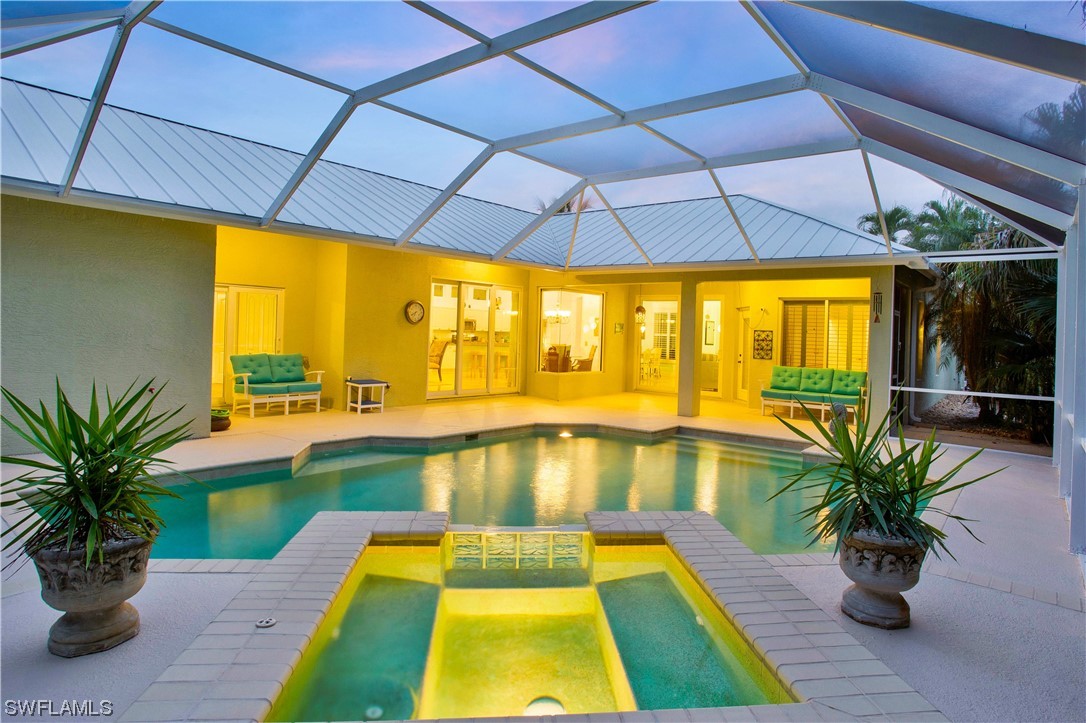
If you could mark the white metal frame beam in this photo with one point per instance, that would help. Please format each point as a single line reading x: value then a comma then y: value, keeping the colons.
x: 576, y: 224
x: 623, y: 226
x: 445, y: 196
x: 47, y: 40
x: 735, y: 216
x: 1023, y: 48
x: 1005, y: 149
x: 947, y: 177
x: 84, y: 16
x: 539, y: 220
x: 878, y: 203
x: 563, y: 22
x: 135, y: 13
x: 734, y: 159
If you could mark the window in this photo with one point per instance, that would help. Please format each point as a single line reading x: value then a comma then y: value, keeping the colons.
x: 665, y: 335
x: 848, y: 335
x: 570, y: 331
x: 830, y: 334
x: 804, y: 334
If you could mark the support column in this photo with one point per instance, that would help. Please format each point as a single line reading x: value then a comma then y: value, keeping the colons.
x: 880, y: 343
x: 1075, y: 391
x: 691, y: 304
x: 1063, y: 351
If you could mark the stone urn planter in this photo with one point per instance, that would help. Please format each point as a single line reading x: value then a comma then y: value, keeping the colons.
x: 881, y: 568
x: 93, y: 599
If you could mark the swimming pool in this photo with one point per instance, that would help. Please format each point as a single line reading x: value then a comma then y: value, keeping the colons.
x: 529, y: 480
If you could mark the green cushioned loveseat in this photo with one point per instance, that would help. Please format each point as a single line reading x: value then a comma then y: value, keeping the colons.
x: 788, y: 386
x: 273, y: 378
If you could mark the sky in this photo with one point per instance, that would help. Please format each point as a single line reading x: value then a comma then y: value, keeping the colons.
x: 651, y: 55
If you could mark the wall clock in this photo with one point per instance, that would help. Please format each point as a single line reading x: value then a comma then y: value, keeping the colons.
x: 414, y: 311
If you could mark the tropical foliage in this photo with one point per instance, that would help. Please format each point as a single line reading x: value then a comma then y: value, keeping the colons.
x: 99, y: 474
x: 996, y: 319
x: 873, y: 482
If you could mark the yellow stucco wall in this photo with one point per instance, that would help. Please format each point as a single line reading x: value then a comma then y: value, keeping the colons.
x: 312, y: 273
x: 91, y: 295
x: 378, y: 341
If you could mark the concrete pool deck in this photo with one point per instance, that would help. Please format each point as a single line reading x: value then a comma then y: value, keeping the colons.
x: 1000, y: 634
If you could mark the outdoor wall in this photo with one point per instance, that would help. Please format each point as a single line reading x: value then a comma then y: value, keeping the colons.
x: 762, y: 301
x: 562, y: 386
x: 313, y: 276
x: 378, y: 342
x: 99, y: 296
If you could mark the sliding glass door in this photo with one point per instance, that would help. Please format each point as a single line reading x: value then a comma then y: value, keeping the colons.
x: 474, y: 339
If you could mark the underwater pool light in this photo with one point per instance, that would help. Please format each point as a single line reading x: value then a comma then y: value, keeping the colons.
x: 545, y: 705
x: 565, y: 434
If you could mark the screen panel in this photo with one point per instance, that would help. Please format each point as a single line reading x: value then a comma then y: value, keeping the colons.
x: 621, y: 149
x: 664, y: 51
x: 352, y: 43
x: 1013, y: 102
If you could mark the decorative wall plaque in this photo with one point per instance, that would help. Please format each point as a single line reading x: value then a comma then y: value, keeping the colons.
x: 763, y: 344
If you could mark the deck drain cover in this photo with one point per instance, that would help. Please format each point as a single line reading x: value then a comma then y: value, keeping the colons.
x: 545, y: 705
x: 266, y: 622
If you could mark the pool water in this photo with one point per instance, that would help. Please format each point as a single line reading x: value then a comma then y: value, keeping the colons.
x: 538, y: 480
x: 616, y: 628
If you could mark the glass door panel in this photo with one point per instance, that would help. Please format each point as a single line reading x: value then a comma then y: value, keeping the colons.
x: 219, y: 367
x: 660, y: 346
x: 506, y: 327
x: 441, y: 355
x: 475, y: 338
x: 710, y: 348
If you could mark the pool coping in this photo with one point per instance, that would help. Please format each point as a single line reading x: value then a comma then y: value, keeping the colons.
x: 234, y: 671
x: 296, y: 461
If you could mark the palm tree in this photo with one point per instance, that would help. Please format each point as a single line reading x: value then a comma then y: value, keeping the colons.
x: 898, y: 219
x: 569, y: 206
x: 948, y: 225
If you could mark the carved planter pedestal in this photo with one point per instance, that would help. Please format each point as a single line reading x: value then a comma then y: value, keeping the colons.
x: 93, y: 599
x: 882, y: 568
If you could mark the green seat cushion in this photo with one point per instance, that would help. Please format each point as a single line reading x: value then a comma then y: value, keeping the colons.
x: 256, y: 365
x: 305, y: 387
x: 813, y: 397
x: 849, y: 399
x: 816, y: 380
x: 287, y: 368
x: 263, y: 390
x: 777, y: 394
x: 785, y: 378
x: 845, y: 382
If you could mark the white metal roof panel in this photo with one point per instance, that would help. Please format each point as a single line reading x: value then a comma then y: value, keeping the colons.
x: 601, y: 242
x: 546, y: 246
x: 472, y: 225
x: 142, y: 157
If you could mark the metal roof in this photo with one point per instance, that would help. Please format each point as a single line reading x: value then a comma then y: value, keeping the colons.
x: 136, y: 156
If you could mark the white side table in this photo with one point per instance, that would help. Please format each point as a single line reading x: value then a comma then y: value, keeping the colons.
x: 373, y: 398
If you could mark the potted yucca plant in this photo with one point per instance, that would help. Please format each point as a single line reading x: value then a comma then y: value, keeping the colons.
x: 86, y: 518
x: 869, y: 498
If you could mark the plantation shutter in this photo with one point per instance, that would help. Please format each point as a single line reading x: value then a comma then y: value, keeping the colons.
x: 848, y: 335
x: 665, y: 333
x: 804, y: 334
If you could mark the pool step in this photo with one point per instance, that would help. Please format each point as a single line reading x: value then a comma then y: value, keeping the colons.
x: 358, y: 460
